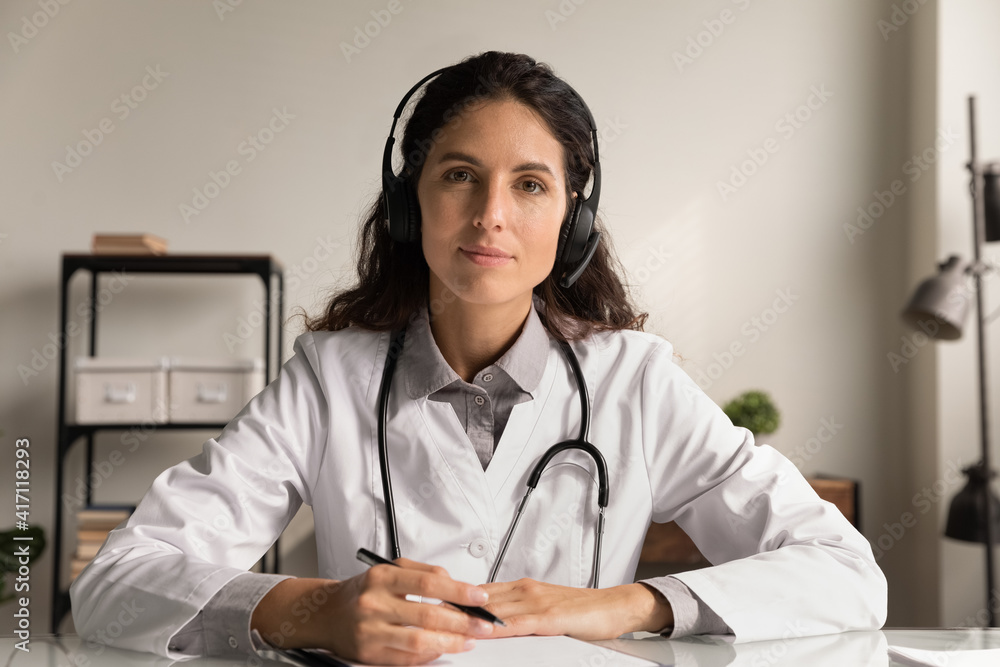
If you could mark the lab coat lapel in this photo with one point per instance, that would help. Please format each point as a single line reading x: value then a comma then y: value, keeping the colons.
x: 487, y: 492
x: 457, y: 453
x: 514, y: 457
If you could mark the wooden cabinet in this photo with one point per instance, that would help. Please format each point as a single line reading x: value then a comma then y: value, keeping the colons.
x: 666, y: 544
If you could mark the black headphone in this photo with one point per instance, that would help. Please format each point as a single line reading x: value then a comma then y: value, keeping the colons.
x: 577, y: 240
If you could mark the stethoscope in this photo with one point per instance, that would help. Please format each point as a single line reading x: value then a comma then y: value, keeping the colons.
x: 395, y: 349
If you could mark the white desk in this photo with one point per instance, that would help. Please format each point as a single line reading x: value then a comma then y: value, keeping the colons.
x: 851, y: 649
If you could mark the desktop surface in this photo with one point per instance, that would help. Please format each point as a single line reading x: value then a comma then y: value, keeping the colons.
x: 853, y: 649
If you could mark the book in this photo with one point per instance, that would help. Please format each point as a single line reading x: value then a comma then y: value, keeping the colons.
x: 87, y: 550
x: 94, y: 523
x: 76, y: 567
x: 128, y: 244
x: 102, y: 518
x: 93, y: 535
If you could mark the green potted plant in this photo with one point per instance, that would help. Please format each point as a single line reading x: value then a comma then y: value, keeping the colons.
x: 755, y: 411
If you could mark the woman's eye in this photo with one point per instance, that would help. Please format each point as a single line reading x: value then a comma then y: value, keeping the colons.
x: 460, y: 176
x: 533, y: 187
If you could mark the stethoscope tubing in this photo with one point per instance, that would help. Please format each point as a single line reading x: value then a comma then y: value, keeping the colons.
x: 395, y: 349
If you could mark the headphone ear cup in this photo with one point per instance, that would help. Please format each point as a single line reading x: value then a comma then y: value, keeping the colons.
x: 396, y: 207
x: 566, y: 233
x: 401, y: 209
x: 412, y: 213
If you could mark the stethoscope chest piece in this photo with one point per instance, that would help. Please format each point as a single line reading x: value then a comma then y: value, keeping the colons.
x: 532, y: 484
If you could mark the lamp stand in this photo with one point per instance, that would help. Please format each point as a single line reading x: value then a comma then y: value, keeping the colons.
x: 978, y: 219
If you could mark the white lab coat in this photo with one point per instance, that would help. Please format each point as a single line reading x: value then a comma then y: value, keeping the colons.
x: 784, y: 558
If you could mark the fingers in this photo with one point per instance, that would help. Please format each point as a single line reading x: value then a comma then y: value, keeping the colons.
x: 511, y: 596
x: 495, y: 588
x: 417, y: 565
x: 368, y: 618
x: 408, y: 646
x: 427, y: 581
x: 417, y: 641
x: 388, y: 628
x: 530, y: 607
x: 437, y: 617
x: 401, y: 632
x: 387, y: 587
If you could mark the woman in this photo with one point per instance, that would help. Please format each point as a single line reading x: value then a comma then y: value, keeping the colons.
x: 478, y: 277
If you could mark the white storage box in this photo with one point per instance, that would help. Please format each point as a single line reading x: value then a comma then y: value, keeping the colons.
x: 212, y: 390
x: 120, y: 391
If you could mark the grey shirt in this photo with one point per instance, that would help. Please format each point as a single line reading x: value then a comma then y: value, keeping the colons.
x: 483, y: 406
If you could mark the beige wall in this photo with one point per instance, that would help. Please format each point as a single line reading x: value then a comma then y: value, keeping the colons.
x: 704, y: 265
x: 915, y: 454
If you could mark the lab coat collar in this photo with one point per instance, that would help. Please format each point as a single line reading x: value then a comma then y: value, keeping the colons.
x: 425, y: 370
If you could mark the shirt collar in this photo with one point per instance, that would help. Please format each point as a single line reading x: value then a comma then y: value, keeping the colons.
x: 425, y: 370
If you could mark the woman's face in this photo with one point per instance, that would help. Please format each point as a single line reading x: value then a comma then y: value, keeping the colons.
x: 492, y: 198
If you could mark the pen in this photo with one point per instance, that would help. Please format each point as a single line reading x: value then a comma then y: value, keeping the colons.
x: 370, y: 558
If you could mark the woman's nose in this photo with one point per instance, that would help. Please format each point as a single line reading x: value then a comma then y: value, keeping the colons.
x: 492, y: 206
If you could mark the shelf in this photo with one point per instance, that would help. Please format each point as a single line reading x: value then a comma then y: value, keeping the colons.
x: 259, y: 264
x: 83, y: 429
x: 270, y: 272
x: 73, y: 432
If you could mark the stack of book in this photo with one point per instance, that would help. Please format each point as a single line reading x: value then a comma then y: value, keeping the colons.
x: 93, y: 524
x: 128, y: 244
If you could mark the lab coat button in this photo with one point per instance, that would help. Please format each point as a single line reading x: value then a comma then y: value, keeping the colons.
x: 480, y: 400
x: 233, y: 643
x: 478, y: 547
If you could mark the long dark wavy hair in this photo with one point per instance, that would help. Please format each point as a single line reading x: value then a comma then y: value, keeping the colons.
x: 393, y: 278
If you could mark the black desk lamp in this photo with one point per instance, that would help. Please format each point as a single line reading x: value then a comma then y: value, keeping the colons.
x: 939, y: 308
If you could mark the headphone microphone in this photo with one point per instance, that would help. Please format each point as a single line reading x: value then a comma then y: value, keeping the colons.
x: 577, y: 239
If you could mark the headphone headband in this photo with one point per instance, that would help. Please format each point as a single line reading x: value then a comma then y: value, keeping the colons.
x: 577, y: 240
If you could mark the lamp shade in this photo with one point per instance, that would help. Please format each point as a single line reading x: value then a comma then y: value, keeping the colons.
x: 967, y: 514
x: 991, y: 200
x: 942, y: 301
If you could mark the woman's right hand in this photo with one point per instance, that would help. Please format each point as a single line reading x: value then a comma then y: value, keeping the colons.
x: 367, y: 618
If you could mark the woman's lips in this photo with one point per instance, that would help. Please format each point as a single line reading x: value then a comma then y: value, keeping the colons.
x: 485, y: 256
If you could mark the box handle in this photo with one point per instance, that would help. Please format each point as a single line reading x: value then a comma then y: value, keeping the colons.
x: 217, y: 394
x: 125, y: 394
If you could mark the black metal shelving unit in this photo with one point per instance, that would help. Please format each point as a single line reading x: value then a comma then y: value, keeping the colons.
x: 268, y: 269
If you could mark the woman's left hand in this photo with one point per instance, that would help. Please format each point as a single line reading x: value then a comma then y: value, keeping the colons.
x: 530, y: 607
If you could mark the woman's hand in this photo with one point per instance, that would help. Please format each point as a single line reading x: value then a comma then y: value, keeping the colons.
x: 530, y: 607
x: 367, y: 618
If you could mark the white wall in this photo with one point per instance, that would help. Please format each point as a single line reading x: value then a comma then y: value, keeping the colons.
x: 670, y: 134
